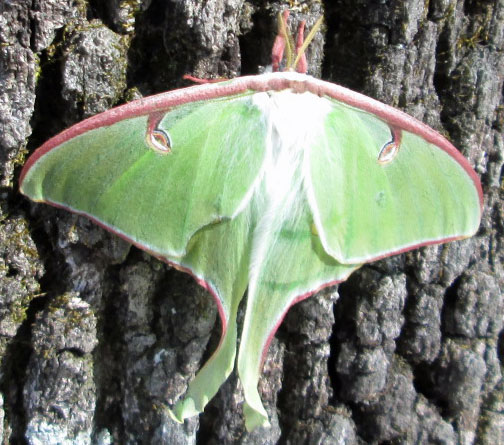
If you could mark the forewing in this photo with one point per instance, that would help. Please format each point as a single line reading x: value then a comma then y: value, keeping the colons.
x: 158, y: 200
x: 365, y: 208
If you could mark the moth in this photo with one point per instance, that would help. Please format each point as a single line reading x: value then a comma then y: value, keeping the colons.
x: 275, y: 185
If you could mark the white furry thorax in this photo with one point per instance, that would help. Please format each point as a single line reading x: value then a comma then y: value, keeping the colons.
x: 291, y: 119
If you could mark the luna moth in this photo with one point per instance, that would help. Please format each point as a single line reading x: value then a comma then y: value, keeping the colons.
x: 275, y: 185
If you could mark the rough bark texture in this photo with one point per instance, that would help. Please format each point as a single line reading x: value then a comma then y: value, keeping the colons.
x: 95, y: 336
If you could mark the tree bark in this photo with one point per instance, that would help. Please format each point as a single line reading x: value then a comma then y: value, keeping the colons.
x: 96, y: 335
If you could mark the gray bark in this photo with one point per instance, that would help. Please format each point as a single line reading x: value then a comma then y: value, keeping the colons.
x: 95, y: 336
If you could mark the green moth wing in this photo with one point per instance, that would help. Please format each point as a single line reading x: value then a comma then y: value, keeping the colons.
x: 410, y: 192
x: 171, y: 182
x: 197, y: 180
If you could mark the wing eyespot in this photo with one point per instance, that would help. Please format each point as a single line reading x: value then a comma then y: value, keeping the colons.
x: 160, y: 141
x: 388, y: 152
x: 390, y: 149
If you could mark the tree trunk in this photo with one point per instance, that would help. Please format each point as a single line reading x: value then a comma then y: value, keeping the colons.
x: 95, y: 335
